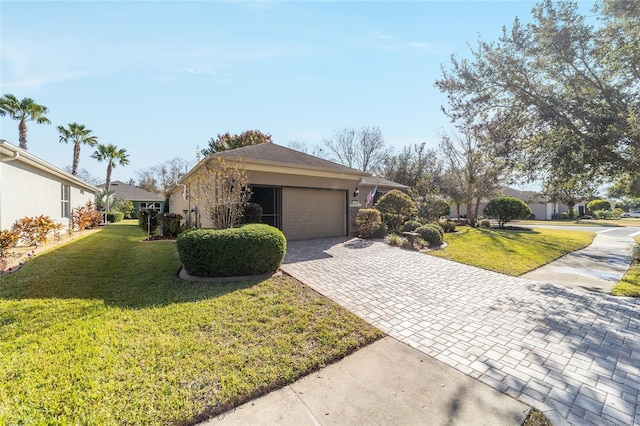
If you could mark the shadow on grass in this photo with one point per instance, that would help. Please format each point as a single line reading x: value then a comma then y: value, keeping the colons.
x: 112, y: 266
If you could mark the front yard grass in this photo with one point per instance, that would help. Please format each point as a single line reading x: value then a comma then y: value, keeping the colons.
x: 102, y: 331
x: 629, y: 285
x: 513, y: 251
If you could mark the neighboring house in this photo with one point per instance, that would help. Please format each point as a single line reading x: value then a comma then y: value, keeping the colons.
x: 141, y: 198
x: 30, y: 187
x: 303, y: 195
x: 541, y: 207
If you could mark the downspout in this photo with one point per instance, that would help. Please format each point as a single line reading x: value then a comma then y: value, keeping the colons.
x: 15, y: 156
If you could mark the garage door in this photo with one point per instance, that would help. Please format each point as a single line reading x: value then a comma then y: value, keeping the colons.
x: 313, y: 213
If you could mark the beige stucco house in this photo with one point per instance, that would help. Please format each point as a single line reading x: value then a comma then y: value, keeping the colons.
x: 30, y: 187
x: 141, y: 198
x: 541, y: 207
x: 302, y: 195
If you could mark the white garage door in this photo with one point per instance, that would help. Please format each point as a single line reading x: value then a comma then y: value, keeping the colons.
x: 313, y: 213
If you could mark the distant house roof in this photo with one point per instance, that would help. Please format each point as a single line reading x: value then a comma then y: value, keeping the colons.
x: 131, y: 192
x: 378, y: 181
x: 21, y: 155
x: 526, y: 196
x: 277, y: 154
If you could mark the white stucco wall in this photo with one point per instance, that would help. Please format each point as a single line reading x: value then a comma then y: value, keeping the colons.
x: 26, y: 191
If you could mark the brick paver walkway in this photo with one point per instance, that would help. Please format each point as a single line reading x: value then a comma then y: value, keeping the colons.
x: 551, y: 347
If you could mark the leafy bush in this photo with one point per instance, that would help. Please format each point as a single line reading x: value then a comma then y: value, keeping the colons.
x: 85, y: 217
x: 438, y: 227
x: 171, y: 224
x: 34, y: 231
x: 430, y: 234
x: 115, y: 216
x: 411, y: 225
x: 595, y: 205
x: 8, y: 240
x: 148, y: 220
x: 369, y: 222
x: 486, y: 224
x: 616, y: 213
x: 602, y: 214
x: 396, y: 208
x: 431, y: 209
x: 505, y: 209
x: 252, y: 213
x: 448, y: 226
x: 248, y: 250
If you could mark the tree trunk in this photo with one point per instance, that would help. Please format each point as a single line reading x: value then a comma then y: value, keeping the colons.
x: 22, y: 134
x: 108, y: 183
x: 76, y: 158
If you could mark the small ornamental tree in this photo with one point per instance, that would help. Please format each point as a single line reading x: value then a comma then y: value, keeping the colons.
x: 431, y: 209
x: 396, y: 208
x: 220, y: 189
x: 506, y: 209
x: 597, y: 205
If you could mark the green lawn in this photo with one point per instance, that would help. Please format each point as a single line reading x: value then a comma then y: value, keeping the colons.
x: 629, y: 285
x: 101, y: 331
x: 511, y: 251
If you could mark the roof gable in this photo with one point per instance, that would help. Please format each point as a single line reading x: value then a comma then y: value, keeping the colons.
x: 277, y: 154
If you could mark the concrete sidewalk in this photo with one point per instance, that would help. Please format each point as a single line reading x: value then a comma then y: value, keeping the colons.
x: 386, y: 383
x: 597, y: 267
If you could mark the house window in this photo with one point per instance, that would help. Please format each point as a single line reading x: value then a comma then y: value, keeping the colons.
x: 65, y: 196
x: 150, y: 206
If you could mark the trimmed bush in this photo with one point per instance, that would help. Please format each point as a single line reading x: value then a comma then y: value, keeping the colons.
x: 486, y: 224
x: 598, y: 205
x: 438, y: 228
x: 171, y: 224
x: 430, y: 234
x: 251, y: 249
x: 396, y: 208
x: 115, y: 216
x: 369, y: 223
x: 505, y: 209
x: 447, y: 226
x: 411, y: 225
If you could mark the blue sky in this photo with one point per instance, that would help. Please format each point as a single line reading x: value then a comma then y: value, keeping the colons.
x: 159, y: 78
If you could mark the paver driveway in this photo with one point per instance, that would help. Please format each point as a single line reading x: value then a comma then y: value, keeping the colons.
x: 551, y: 347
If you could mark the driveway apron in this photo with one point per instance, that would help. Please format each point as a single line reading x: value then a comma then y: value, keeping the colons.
x: 570, y: 353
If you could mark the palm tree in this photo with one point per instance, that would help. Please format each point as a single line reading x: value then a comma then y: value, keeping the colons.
x: 113, y: 156
x: 78, y: 134
x: 25, y: 110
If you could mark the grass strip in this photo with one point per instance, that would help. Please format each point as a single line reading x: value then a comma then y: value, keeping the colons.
x: 629, y: 285
x: 513, y: 251
x: 101, y: 331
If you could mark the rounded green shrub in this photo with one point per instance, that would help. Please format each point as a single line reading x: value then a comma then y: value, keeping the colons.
x: 251, y: 249
x: 411, y: 225
x: 438, y: 228
x: 486, y: 224
x: 430, y: 234
x: 115, y: 216
x: 447, y: 226
x: 369, y: 223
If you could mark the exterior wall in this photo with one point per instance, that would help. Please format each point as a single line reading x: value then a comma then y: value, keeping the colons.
x: 26, y: 191
x: 539, y: 210
x: 289, y: 182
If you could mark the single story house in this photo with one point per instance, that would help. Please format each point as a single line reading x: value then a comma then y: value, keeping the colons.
x: 141, y: 198
x: 541, y: 207
x: 302, y: 195
x: 30, y: 187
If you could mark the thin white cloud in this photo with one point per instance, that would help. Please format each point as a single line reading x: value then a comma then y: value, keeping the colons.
x: 376, y: 35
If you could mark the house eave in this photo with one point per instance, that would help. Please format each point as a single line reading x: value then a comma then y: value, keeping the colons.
x: 9, y: 150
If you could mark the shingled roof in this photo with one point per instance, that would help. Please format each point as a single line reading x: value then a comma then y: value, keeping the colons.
x: 132, y: 193
x: 375, y: 180
x: 273, y: 153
